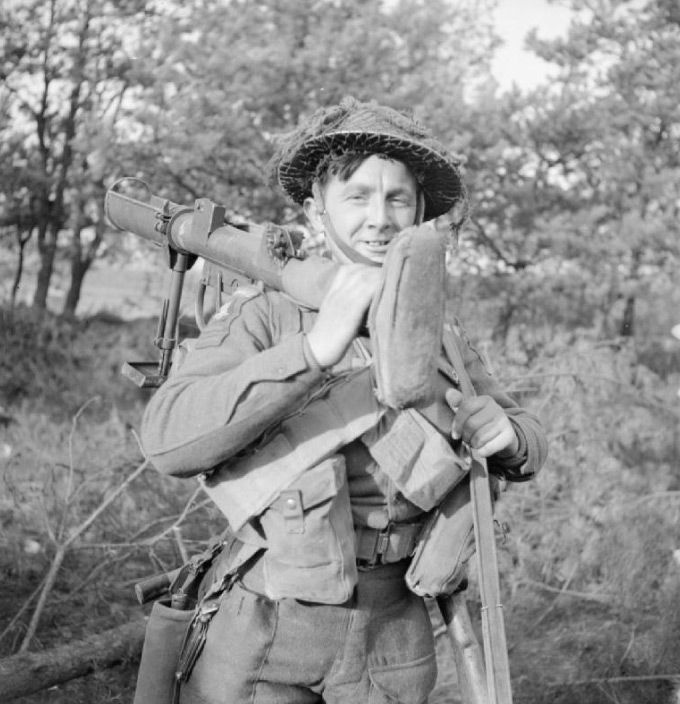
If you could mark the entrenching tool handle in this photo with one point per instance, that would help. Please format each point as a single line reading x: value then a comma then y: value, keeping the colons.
x: 155, y: 587
x: 466, y: 650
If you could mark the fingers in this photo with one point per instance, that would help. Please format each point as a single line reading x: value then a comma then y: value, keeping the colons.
x: 454, y: 397
x: 342, y: 312
x: 482, y: 424
x: 500, y: 440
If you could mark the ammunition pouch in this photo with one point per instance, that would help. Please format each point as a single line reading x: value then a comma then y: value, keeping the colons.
x: 446, y: 544
x: 416, y: 457
x: 309, y: 535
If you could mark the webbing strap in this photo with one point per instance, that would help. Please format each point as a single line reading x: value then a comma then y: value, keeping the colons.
x: 348, y: 251
x: 345, y: 248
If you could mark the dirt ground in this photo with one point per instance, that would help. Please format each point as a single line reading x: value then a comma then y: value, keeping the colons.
x: 552, y: 648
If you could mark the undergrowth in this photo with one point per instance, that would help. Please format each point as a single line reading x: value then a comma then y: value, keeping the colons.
x: 590, y: 568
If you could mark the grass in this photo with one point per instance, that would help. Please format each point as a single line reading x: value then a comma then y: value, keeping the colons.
x: 590, y: 573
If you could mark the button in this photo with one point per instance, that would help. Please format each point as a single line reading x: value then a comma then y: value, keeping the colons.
x: 291, y: 504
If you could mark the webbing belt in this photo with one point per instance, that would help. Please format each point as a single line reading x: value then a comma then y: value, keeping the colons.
x: 378, y: 547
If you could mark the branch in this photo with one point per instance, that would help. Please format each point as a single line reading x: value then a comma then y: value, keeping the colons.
x: 28, y: 673
x: 618, y: 680
x: 606, y: 598
x: 71, y: 467
x: 63, y: 547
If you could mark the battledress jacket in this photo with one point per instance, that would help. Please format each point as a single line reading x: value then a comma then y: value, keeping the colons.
x: 251, y: 367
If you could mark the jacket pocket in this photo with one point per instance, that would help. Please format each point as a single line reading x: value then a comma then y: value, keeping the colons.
x: 310, y: 538
x: 407, y: 683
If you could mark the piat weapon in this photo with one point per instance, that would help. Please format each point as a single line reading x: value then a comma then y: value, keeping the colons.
x: 272, y: 256
x: 234, y: 255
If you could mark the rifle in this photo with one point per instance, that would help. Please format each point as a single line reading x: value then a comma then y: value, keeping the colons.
x: 234, y: 255
x: 272, y: 256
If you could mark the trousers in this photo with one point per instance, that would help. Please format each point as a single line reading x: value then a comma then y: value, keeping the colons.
x: 376, y: 648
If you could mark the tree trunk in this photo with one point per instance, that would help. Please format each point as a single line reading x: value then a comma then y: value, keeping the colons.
x: 82, y: 256
x: 27, y: 673
x: 627, y: 328
x: 19, y: 271
x: 79, y: 268
x: 47, y: 246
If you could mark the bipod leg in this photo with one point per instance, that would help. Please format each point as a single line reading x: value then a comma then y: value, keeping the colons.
x: 466, y: 649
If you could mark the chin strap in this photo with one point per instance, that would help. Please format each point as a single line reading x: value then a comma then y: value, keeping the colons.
x: 420, y: 208
x: 348, y: 251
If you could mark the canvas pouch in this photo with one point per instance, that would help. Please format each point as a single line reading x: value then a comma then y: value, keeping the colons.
x: 446, y: 544
x: 165, y: 634
x: 310, y: 538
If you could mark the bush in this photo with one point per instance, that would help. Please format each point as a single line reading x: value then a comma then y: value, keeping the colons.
x: 58, y: 363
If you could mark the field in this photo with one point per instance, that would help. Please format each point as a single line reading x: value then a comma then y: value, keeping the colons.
x: 590, y: 567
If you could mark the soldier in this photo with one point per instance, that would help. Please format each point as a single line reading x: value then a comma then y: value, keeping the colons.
x: 275, y: 407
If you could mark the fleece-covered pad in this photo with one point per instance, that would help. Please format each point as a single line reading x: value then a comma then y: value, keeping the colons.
x: 406, y: 318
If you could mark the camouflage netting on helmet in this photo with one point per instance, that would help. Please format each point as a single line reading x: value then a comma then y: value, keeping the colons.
x: 368, y: 128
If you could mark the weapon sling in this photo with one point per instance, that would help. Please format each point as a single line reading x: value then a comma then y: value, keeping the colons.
x: 497, y: 666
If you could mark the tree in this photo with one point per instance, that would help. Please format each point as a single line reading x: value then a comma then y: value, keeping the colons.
x: 194, y: 93
x: 616, y: 142
x: 574, y: 185
x: 61, y: 69
x: 231, y: 76
x: 17, y: 206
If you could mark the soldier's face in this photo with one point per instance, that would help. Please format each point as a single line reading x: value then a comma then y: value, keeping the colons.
x: 372, y: 206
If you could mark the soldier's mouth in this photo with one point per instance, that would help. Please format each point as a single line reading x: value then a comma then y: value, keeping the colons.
x: 376, y: 245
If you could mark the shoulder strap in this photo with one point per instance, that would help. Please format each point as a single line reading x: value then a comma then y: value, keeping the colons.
x: 450, y: 340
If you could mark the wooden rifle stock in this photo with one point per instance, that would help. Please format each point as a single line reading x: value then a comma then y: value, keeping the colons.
x: 483, y: 678
x: 493, y: 624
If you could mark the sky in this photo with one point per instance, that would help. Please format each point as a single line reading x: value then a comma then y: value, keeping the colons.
x: 514, y: 19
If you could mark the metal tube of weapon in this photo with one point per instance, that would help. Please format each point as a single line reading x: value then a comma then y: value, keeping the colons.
x: 264, y: 254
x: 201, y: 231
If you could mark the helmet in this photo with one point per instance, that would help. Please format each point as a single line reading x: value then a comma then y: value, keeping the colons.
x: 368, y: 128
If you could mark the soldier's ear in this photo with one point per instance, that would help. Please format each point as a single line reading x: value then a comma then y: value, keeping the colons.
x: 313, y: 214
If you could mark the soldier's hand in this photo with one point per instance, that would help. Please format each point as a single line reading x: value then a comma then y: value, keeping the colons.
x: 342, y: 312
x: 482, y: 424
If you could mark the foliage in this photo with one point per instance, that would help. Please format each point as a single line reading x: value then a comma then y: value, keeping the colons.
x: 598, y: 532
x: 168, y: 91
x: 567, y: 273
x: 83, y: 518
x: 589, y: 567
x: 66, y: 362
x: 242, y: 72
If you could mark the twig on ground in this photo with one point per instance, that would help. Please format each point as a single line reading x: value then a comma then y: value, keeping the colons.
x: 675, y: 678
x: 62, y: 549
x: 24, y: 608
x: 606, y: 598
x: 71, y: 467
x: 560, y: 592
